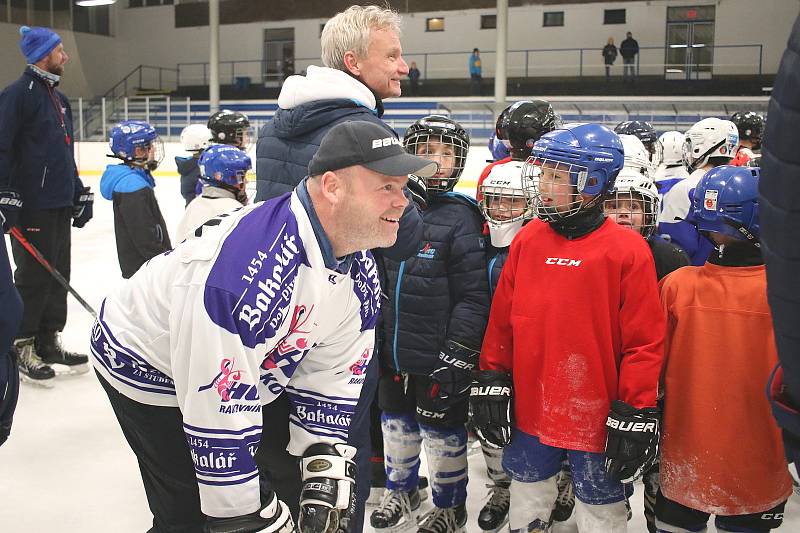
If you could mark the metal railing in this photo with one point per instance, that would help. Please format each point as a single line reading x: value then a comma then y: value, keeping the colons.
x: 728, y: 59
x: 94, y: 118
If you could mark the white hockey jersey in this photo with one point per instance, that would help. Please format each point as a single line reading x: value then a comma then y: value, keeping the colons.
x: 224, y: 323
x: 212, y: 202
x: 666, y: 178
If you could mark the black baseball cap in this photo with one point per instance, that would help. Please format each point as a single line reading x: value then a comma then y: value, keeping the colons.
x: 369, y: 145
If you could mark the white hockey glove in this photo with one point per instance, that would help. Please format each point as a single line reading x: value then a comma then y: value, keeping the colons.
x: 273, y: 517
x: 329, y: 488
x: 632, y: 442
x: 491, y: 407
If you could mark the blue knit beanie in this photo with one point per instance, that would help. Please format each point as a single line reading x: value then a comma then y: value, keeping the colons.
x: 37, y: 42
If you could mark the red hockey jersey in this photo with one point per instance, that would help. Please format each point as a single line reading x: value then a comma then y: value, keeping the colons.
x: 579, y: 324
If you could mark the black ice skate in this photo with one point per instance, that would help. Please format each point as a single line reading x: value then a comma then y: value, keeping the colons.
x: 450, y: 520
x: 31, y: 367
x: 494, y: 514
x: 48, y: 346
x: 396, y: 512
x: 565, y: 502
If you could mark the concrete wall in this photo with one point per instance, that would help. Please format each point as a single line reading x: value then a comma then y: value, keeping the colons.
x: 99, y: 62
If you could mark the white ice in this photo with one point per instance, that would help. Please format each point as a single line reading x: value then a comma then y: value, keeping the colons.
x: 67, y: 468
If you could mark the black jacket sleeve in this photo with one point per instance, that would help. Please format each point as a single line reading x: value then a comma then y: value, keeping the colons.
x: 11, y: 119
x: 140, y: 219
x: 469, y: 284
x: 780, y: 220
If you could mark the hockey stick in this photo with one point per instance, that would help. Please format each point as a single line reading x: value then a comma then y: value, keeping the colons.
x: 17, y: 234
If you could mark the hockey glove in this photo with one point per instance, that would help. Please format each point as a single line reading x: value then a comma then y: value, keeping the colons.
x: 419, y: 190
x: 273, y: 517
x: 490, y: 405
x: 10, y: 205
x: 82, y: 207
x: 329, y: 488
x: 451, y: 379
x: 632, y: 442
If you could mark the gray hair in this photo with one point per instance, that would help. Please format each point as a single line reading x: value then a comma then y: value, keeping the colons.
x: 350, y: 31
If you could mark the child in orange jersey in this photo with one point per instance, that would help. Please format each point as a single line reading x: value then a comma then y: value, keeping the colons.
x: 721, y: 450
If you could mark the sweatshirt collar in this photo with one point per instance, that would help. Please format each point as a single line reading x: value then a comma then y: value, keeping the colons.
x: 342, y: 266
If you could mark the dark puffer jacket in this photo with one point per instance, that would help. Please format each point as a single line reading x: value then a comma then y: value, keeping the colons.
x: 441, y: 293
x: 780, y: 233
x: 496, y: 258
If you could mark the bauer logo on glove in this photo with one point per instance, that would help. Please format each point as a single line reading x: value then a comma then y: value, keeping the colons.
x: 632, y: 442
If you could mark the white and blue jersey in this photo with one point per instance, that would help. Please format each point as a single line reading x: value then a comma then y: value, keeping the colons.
x: 250, y: 306
x: 676, y: 223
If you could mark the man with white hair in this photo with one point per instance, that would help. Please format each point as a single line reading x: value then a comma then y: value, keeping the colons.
x: 363, y: 64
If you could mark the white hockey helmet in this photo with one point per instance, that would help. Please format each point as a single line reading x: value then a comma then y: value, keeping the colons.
x: 195, y: 137
x: 636, y: 155
x: 505, y: 203
x: 710, y: 137
x: 672, y: 141
x: 634, y: 193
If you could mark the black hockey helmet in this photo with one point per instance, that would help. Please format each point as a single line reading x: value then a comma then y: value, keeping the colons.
x: 230, y: 127
x: 444, y: 130
x: 750, y: 125
x: 522, y: 123
x: 646, y: 133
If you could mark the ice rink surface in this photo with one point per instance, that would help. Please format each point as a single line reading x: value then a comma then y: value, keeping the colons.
x: 67, y: 468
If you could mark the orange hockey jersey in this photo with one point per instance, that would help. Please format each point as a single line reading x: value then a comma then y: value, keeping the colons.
x: 721, y: 448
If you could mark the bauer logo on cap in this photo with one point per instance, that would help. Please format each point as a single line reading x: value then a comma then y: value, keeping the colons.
x: 710, y: 200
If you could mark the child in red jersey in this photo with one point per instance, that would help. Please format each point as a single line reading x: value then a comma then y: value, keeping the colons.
x: 576, y: 331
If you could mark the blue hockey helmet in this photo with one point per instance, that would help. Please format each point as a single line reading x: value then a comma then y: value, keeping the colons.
x: 726, y: 201
x: 224, y: 165
x: 590, y: 154
x: 137, y: 142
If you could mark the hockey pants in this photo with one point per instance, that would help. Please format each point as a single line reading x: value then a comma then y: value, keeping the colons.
x: 673, y: 517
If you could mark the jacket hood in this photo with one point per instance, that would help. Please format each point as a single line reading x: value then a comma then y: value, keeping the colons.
x: 122, y: 178
x: 323, y: 83
x: 305, y: 118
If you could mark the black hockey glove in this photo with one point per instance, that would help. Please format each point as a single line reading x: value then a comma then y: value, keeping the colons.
x: 419, y: 190
x: 82, y: 207
x: 491, y: 407
x: 273, y: 517
x: 451, y: 379
x: 329, y: 488
x: 632, y: 442
x: 10, y: 205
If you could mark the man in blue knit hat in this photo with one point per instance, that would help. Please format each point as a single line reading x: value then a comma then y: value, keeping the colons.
x: 40, y: 194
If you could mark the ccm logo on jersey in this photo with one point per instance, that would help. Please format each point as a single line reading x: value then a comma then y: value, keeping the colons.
x: 387, y: 141
x: 490, y: 390
x: 429, y: 414
x: 639, y: 427
x: 561, y: 261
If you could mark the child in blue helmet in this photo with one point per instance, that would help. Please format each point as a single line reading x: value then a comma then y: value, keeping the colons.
x: 139, y: 226
x: 574, y: 341
x: 722, y: 452
x: 223, y: 173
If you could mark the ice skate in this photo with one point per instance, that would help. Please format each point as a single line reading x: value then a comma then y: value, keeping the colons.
x: 439, y: 520
x: 398, y: 511
x: 565, y: 502
x: 32, y: 369
x: 63, y: 363
x: 494, y: 514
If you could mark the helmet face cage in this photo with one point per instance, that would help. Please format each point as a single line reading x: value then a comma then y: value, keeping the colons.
x: 148, y: 153
x: 443, y: 147
x: 553, y: 187
x: 628, y: 203
x: 505, y: 204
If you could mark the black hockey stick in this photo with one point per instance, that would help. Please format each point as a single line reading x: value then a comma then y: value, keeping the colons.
x: 17, y: 234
